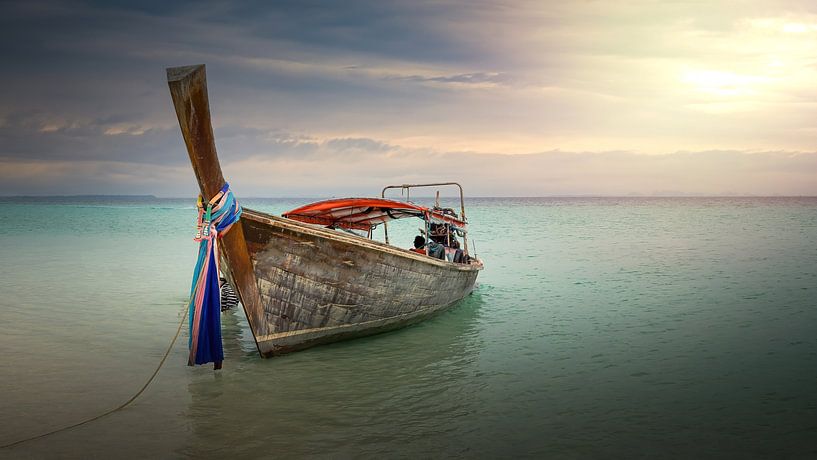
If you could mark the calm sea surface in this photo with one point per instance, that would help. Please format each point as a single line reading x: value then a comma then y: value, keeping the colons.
x: 601, y: 328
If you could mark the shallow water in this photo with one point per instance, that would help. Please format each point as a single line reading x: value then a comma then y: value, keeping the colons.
x: 601, y: 327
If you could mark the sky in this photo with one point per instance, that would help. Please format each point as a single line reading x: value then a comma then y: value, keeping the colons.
x: 509, y: 98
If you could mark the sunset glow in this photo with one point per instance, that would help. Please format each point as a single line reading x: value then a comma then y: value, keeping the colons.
x: 477, y: 80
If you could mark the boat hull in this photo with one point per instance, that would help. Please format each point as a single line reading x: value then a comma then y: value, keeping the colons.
x: 318, y: 285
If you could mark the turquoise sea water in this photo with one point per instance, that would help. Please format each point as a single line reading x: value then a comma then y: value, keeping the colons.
x: 601, y: 328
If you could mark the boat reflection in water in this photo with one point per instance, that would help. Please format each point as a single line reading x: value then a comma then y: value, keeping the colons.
x: 418, y: 386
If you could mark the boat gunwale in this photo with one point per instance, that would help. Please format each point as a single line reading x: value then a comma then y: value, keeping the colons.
x: 362, y: 242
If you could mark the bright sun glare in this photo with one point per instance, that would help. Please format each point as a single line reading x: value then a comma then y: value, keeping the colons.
x: 720, y: 83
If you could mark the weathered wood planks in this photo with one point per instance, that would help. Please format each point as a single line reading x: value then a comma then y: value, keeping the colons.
x: 320, y: 285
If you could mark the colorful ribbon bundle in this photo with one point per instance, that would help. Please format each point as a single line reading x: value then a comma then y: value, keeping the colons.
x: 214, y: 220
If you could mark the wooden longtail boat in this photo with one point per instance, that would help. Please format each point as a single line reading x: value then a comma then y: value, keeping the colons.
x: 302, y: 284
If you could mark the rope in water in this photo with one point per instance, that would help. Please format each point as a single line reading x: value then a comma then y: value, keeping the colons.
x: 214, y: 221
x: 121, y: 406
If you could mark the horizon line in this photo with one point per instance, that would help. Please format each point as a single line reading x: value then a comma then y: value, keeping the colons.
x: 634, y: 195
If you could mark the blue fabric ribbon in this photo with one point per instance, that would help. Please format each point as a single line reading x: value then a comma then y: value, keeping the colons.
x: 212, y: 224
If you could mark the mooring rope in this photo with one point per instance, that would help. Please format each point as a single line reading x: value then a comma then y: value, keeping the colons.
x: 121, y: 406
x: 215, y: 219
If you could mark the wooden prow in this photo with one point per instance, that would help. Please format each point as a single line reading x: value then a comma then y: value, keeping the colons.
x: 188, y: 88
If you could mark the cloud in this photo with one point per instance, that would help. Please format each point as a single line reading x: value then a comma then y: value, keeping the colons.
x: 466, y: 80
x: 299, y: 83
x: 57, y: 177
x: 541, y: 174
x: 40, y: 136
x: 358, y: 145
x: 287, y: 165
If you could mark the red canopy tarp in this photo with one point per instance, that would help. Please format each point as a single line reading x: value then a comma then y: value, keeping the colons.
x: 365, y: 213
